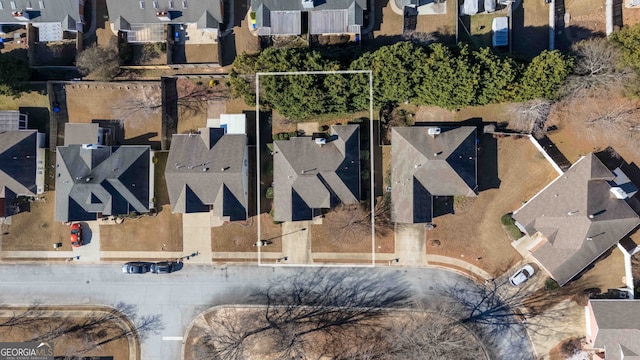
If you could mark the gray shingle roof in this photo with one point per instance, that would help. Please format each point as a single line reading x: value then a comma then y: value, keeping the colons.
x: 204, y: 13
x: 579, y: 216
x: 308, y: 176
x: 17, y: 166
x: 194, y: 190
x: 271, y: 13
x: 424, y: 166
x: 54, y: 11
x: 102, y: 179
x: 618, y: 323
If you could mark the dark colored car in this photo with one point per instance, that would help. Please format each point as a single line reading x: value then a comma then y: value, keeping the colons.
x: 164, y: 267
x: 76, y: 235
x: 138, y: 267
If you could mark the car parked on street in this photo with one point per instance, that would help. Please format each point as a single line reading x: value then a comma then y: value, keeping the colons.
x: 524, y: 274
x: 76, y: 235
x: 164, y: 267
x: 137, y: 267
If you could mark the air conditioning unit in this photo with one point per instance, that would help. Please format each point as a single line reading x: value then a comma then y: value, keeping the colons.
x: 321, y: 141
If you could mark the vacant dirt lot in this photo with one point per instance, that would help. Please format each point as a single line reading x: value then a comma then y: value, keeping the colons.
x: 474, y: 233
x: 146, y: 233
x: 241, y: 236
x: 35, y: 229
x: 136, y: 104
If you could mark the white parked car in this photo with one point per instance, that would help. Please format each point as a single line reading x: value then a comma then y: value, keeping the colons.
x: 522, y: 275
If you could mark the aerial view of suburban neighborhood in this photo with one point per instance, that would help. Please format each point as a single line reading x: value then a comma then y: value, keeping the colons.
x: 319, y: 179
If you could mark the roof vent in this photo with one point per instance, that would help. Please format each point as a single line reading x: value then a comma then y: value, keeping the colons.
x: 20, y: 15
x: 155, y: 5
x: 308, y: 4
x: 170, y: 4
x: 28, y: 5
x: 184, y: 4
x: 164, y: 15
x: 205, y: 169
x: 142, y: 5
x: 433, y: 131
x: 619, y: 193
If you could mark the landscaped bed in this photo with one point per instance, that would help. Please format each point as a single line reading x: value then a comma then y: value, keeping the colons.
x: 242, y: 236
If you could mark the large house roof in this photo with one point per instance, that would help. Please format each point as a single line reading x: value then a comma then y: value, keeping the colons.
x: 223, y: 184
x: 66, y: 12
x: 207, y: 14
x: 579, y: 217
x: 425, y: 165
x: 17, y: 166
x: 310, y: 176
x: 325, y: 17
x: 618, y: 323
x: 92, y: 179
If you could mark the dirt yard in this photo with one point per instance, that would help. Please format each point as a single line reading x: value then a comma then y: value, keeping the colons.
x: 36, y: 230
x: 474, y: 233
x: 630, y: 16
x: 136, y: 104
x: 147, y: 233
x: 324, y: 240
x: 241, y: 237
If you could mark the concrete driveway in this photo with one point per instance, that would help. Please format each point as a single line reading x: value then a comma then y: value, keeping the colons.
x: 410, y: 244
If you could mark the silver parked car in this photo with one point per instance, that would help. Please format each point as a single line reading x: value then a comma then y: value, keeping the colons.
x: 524, y: 274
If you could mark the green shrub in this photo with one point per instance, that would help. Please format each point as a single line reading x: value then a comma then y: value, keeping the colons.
x: 551, y: 284
x: 269, y: 193
x: 510, y: 226
x: 507, y: 220
x: 275, y: 137
x: 293, y: 134
x: 364, y: 155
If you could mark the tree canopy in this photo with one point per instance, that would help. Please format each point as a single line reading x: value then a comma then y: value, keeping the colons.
x: 13, y: 71
x: 435, y: 75
x: 102, y: 62
x: 628, y: 39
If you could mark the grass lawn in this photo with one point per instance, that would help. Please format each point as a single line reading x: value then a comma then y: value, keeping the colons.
x: 477, y: 29
x: 144, y: 234
x: 27, y: 99
x: 240, y: 237
x: 36, y: 230
x: 475, y: 230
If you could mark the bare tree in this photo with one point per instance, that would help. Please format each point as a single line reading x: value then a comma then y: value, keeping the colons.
x: 301, y: 307
x: 617, y: 117
x: 101, y: 62
x: 28, y: 319
x: 531, y: 116
x: 598, y: 68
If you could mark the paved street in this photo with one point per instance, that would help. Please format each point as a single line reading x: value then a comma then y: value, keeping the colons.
x: 178, y: 297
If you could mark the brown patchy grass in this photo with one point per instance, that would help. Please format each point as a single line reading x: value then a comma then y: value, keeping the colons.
x: 98, y: 100
x: 68, y: 344
x: 146, y: 233
x: 530, y: 28
x: 27, y: 99
x: 160, y: 191
x: 241, y: 236
x: 477, y: 232
x: 36, y: 230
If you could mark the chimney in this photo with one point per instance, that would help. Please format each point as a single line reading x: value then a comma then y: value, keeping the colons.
x: 163, y: 15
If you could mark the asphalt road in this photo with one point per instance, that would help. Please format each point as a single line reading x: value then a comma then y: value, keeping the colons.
x: 180, y: 296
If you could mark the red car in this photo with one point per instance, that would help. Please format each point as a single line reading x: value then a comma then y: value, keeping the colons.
x: 76, y: 235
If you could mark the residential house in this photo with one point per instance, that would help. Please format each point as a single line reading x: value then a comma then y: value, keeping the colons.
x: 144, y: 21
x: 429, y: 162
x: 22, y: 157
x: 52, y: 18
x: 613, y: 328
x: 94, y: 180
x: 311, y: 174
x: 208, y: 170
x: 577, y: 217
x: 286, y: 17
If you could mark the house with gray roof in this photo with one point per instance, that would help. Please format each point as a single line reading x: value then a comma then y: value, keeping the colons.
x: 22, y: 169
x: 144, y: 21
x: 285, y: 17
x: 613, y: 328
x: 94, y: 181
x: 52, y: 18
x: 577, y: 217
x: 428, y: 162
x: 208, y: 171
x: 311, y: 174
